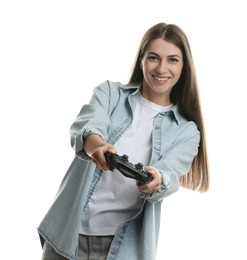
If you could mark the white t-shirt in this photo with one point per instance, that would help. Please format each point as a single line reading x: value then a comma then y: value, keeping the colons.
x: 116, y: 198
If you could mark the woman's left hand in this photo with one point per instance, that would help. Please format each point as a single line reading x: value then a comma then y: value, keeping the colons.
x: 155, y: 184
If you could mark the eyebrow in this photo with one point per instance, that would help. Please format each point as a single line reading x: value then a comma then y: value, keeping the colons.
x: 174, y: 55
x: 169, y: 56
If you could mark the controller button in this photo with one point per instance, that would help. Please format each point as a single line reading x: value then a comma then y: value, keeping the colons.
x: 139, y: 166
x: 125, y: 157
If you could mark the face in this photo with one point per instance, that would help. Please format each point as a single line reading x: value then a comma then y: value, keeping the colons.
x: 162, y: 66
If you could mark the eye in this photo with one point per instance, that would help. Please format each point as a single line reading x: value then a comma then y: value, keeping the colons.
x: 152, y: 57
x: 173, y: 60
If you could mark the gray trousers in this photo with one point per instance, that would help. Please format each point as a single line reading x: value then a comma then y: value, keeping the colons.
x: 89, y: 248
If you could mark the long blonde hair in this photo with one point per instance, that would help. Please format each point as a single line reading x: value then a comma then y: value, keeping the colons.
x: 185, y: 93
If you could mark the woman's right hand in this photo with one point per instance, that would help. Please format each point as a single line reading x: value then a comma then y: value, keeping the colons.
x: 99, y: 155
x: 96, y: 148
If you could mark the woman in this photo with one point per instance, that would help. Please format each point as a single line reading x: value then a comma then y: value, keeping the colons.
x: 154, y: 119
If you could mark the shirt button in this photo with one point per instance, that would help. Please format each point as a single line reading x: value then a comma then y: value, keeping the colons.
x: 157, y: 127
x: 157, y: 147
x: 113, y: 252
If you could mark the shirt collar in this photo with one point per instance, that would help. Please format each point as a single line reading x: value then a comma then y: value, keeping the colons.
x: 174, y: 111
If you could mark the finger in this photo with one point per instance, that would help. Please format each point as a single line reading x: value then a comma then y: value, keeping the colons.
x: 156, y: 175
x: 152, y: 186
x: 99, y: 160
x: 99, y: 156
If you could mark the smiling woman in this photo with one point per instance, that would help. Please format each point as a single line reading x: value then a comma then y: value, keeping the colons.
x: 155, y: 119
x: 184, y: 94
x: 162, y: 66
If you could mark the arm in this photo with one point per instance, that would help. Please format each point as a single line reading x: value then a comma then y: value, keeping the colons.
x: 92, y: 119
x: 174, y: 163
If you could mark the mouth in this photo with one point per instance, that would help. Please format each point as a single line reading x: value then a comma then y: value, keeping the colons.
x: 161, y: 80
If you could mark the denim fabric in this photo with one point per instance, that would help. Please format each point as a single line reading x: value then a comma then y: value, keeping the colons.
x: 109, y: 113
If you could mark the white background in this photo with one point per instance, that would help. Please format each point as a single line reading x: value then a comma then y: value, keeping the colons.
x: 52, y: 53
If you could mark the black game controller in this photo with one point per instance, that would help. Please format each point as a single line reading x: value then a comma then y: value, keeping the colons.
x: 128, y: 169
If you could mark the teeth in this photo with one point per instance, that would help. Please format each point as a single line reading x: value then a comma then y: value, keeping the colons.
x: 161, y: 79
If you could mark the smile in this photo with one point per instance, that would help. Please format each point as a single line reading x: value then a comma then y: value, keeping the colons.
x: 161, y: 79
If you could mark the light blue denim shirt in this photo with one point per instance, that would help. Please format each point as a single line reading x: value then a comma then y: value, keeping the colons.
x: 175, y: 143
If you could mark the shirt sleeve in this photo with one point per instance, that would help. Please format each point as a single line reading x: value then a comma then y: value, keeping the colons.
x: 176, y: 161
x: 92, y: 119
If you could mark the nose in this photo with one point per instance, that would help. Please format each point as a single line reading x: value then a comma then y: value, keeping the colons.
x: 162, y: 67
